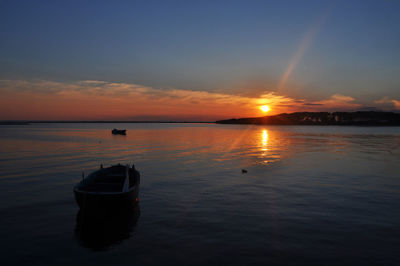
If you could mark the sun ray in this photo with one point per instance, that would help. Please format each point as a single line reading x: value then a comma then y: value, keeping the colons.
x: 303, y: 47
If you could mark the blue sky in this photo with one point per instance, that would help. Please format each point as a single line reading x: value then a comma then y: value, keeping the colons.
x: 234, y: 47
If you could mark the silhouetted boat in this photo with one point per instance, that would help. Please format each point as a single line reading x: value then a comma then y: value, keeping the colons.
x: 118, y: 131
x: 108, y: 188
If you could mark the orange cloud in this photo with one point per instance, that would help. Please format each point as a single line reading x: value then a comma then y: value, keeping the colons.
x: 338, y: 101
x: 385, y: 100
x: 101, y: 100
x: 109, y: 100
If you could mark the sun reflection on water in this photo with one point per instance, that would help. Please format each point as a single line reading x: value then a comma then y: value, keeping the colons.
x: 264, y: 140
x: 267, y: 149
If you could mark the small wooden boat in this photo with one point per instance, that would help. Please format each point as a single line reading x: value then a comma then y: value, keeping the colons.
x: 118, y: 131
x: 112, y: 187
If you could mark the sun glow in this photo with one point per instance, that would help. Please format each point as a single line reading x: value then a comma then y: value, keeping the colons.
x: 265, y: 108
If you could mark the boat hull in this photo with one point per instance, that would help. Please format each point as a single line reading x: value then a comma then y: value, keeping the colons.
x: 109, y: 188
x: 118, y: 131
x: 99, y: 200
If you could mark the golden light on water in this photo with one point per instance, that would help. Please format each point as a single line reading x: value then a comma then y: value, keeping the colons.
x: 268, y: 151
x: 264, y: 139
x: 265, y: 108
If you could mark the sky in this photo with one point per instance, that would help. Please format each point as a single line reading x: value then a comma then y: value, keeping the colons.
x: 196, y: 60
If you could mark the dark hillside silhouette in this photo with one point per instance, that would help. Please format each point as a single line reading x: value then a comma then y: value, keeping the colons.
x: 368, y: 118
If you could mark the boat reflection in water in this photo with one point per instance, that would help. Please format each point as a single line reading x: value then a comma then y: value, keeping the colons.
x: 103, y: 230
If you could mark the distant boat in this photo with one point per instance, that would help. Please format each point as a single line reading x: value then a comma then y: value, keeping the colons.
x: 109, y: 188
x: 118, y: 131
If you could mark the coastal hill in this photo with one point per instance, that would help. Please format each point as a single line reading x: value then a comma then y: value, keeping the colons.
x: 367, y: 118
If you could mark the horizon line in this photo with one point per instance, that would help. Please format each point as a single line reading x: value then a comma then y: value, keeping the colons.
x: 166, y: 121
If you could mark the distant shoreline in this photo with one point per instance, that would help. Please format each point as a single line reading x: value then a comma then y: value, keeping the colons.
x: 101, y: 122
x: 360, y: 118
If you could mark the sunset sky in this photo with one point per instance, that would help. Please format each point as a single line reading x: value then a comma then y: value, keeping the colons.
x: 196, y: 60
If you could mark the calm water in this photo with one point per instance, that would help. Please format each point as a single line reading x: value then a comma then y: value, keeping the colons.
x: 312, y: 195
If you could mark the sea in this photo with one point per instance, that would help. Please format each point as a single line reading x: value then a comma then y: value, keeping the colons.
x: 210, y: 195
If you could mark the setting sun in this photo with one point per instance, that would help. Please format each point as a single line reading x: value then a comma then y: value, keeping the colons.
x: 265, y: 108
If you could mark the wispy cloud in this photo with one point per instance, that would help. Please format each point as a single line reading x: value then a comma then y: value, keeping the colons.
x: 386, y: 101
x: 339, y: 102
x: 93, y: 99
x: 101, y: 99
